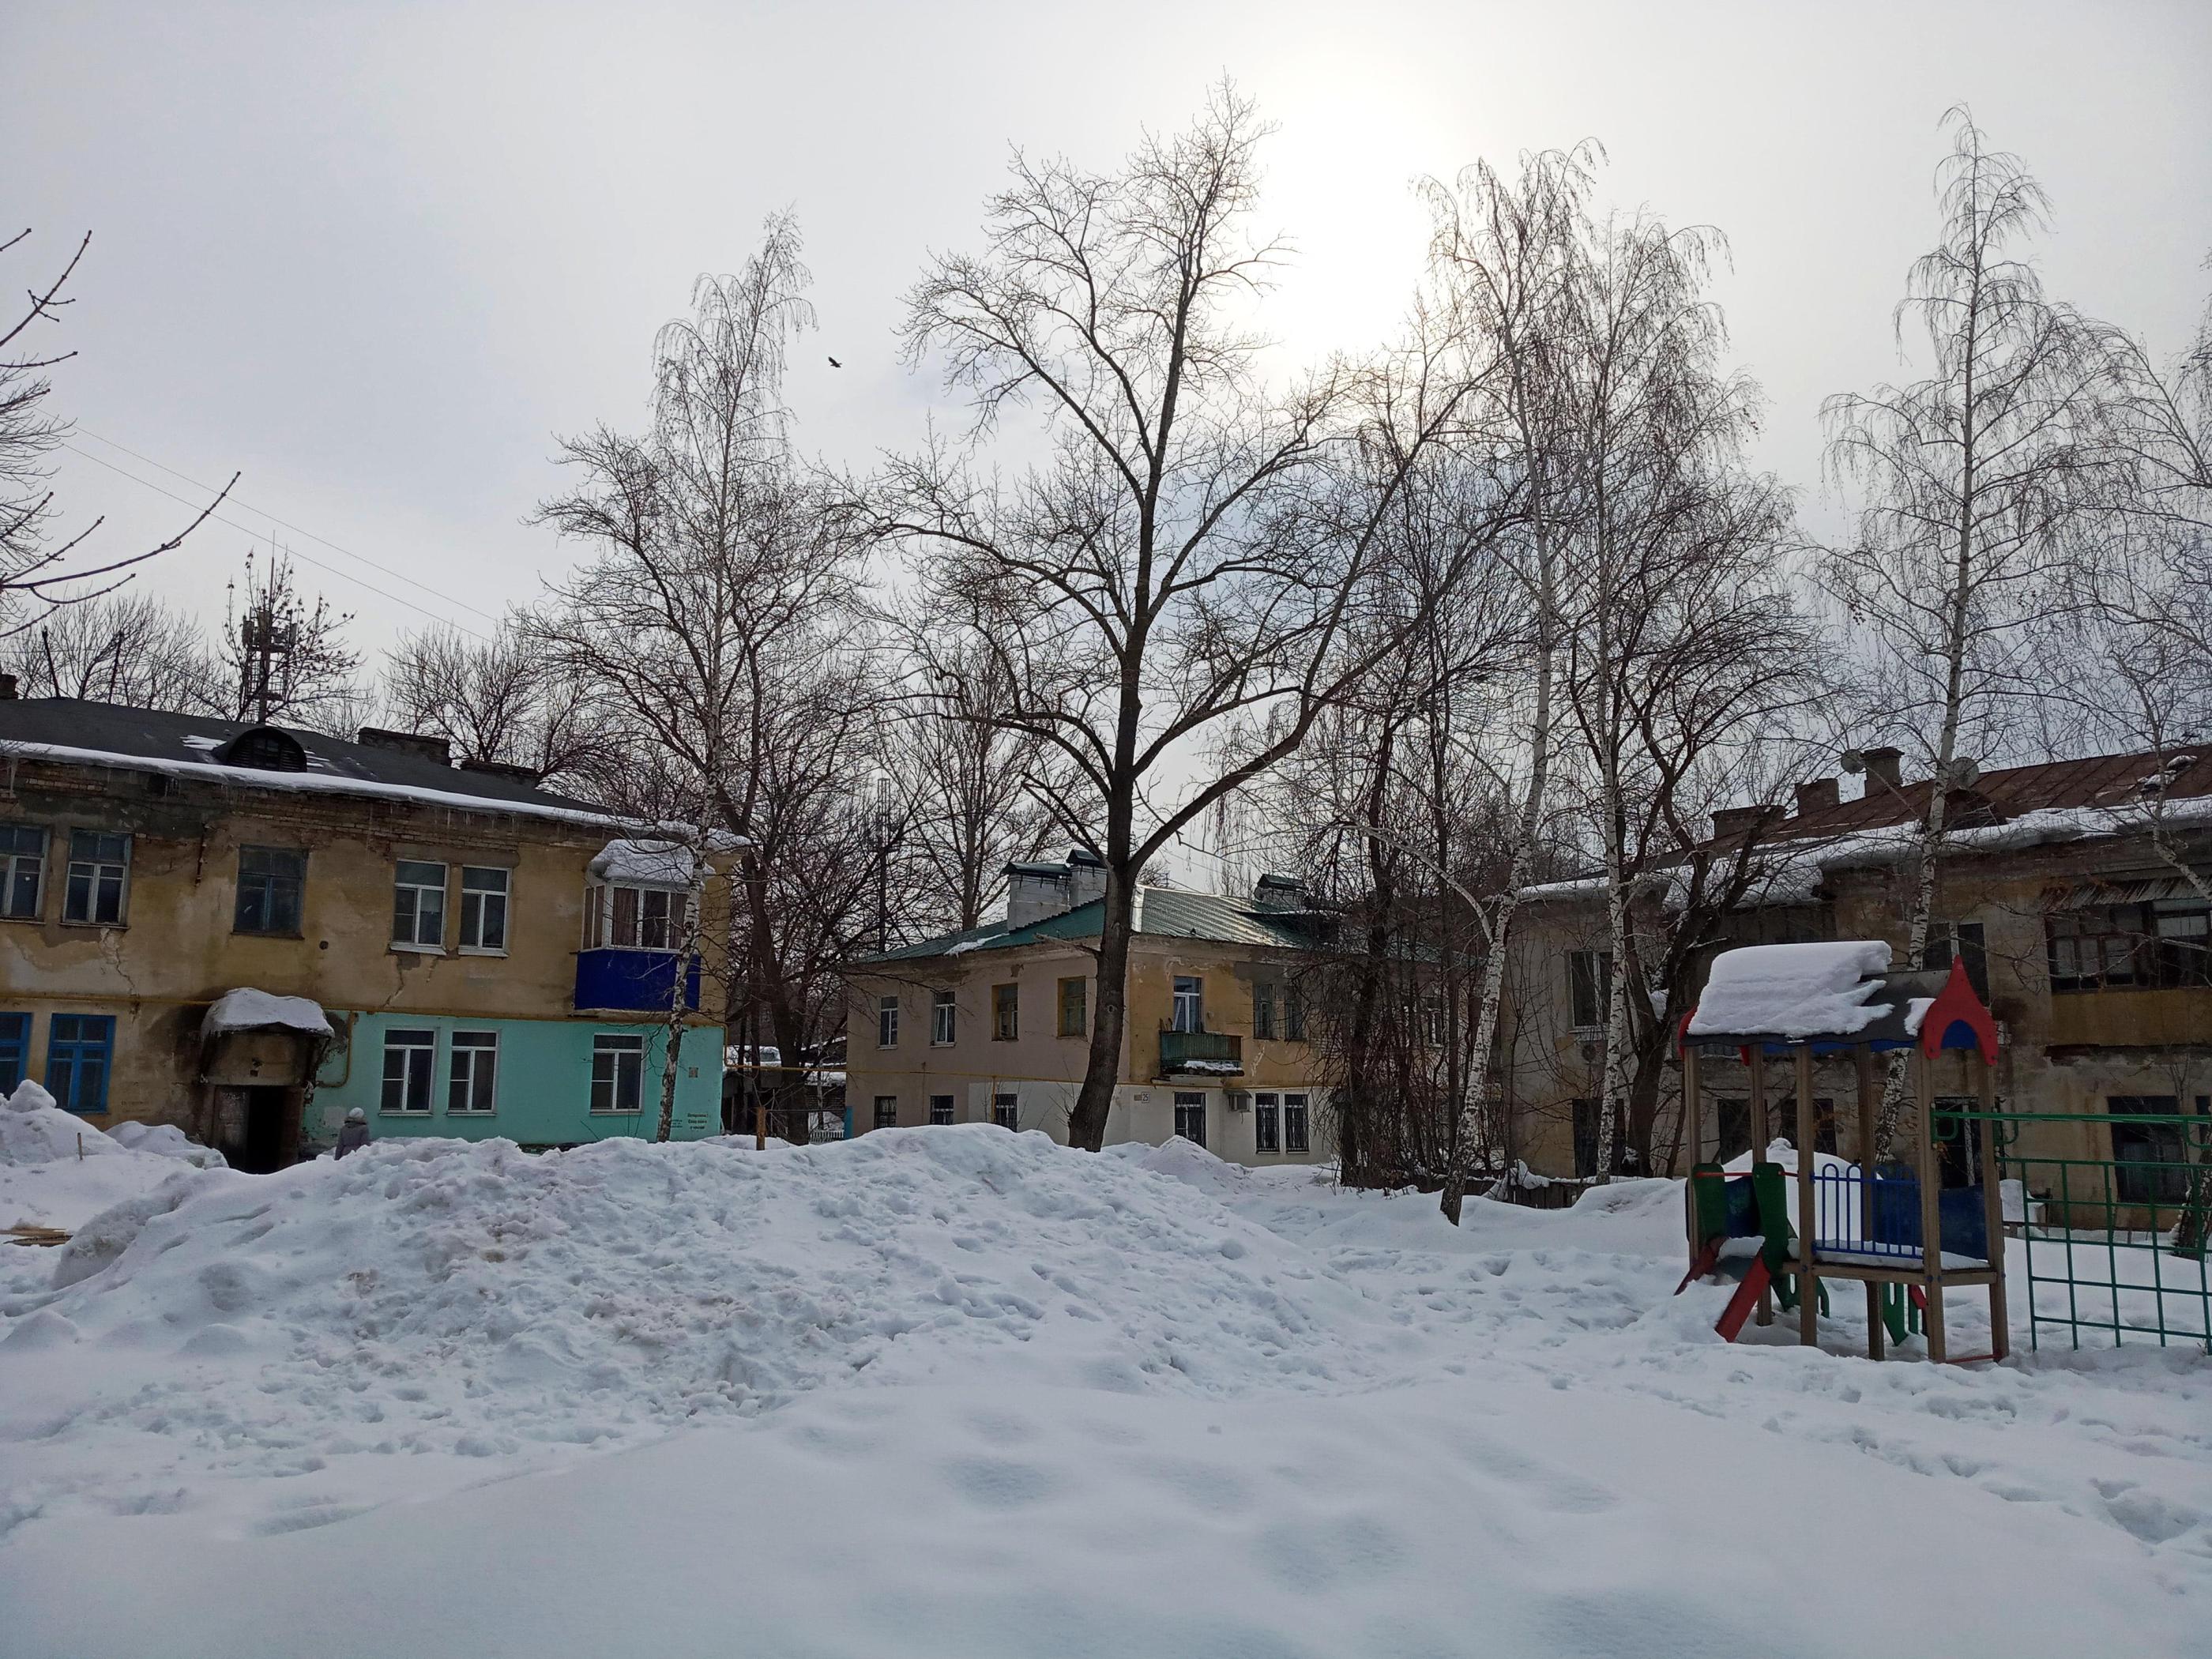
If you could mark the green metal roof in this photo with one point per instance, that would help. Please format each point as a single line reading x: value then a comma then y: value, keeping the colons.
x: 1162, y: 913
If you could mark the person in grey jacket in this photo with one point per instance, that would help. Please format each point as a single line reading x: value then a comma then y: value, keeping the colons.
x: 355, y: 1135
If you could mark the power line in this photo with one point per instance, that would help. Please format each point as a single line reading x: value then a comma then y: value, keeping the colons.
x: 328, y: 569
x: 296, y: 529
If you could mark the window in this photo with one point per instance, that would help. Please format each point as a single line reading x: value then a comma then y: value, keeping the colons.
x: 1294, y: 1013
x: 484, y: 909
x: 270, y: 880
x: 1267, y: 1123
x: 2163, y: 944
x: 98, y: 864
x: 887, y: 1111
x: 1294, y: 1124
x: 1263, y: 1012
x: 940, y: 1108
x: 636, y: 918
x: 617, y: 1072
x: 1964, y: 941
x: 409, y: 1058
x: 23, y: 867
x: 15, y: 1049
x: 418, y: 906
x: 944, y: 1019
x: 2152, y: 1158
x: 1190, y: 1117
x: 473, y: 1079
x: 1735, y: 1126
x: 1189, y: 1004
x: 887, y: 1022
x: 1005, y: 1012
x: 1075, y: 1007
x: 79, y: 1048
x: 1432, y: 1020
x: 1006, y: 1111
x: 1590, y: 984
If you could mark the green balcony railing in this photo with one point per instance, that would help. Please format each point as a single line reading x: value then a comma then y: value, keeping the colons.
x: 1218, y: 1052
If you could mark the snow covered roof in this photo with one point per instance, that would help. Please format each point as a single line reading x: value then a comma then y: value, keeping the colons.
x: 72, y: 729
x: 645, y: 864
x: 1825, y: 989
x: 248, y: 1010
x: 1161, y: 913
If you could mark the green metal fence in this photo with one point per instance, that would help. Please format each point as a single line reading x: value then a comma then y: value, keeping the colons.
x: 2109, y: 1248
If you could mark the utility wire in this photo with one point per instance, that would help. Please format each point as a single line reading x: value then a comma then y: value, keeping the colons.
x: 296, y: 529
x: 328, y: 569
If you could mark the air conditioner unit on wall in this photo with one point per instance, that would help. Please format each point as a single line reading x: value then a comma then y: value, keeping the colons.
x: 1239, y: 1100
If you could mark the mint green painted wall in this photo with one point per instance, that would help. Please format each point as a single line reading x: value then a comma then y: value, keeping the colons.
x: 544, y: 1092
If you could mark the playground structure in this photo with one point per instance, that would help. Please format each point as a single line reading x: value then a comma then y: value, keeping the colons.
x: 1892, y: 1226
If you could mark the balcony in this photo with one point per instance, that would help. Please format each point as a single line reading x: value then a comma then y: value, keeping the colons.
x: 632, y: 982
x: 1201, y: 1054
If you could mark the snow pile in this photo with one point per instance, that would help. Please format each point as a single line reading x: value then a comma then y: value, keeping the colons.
x: 645, y: 864
x: 1793, y: 990
x: 1028, y: 1401
x: 35, y: 1130
x: 248, y: 1010
x: 164, y: 1141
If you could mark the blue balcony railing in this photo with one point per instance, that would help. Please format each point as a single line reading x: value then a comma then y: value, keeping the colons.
x: 632, y: 982
x: 1221, y: 1053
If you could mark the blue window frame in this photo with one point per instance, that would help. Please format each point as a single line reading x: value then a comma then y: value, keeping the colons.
x: 79, y: 1048
x: 15, y: 1049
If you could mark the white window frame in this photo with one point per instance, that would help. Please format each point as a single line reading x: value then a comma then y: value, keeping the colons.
x: 482, y: 1067
x: 887, y: 1022
x: 886, y: 1106
x: 944, y: 1019
x: 97, y: 868
x: 11, y: 866
x: 1268, y: 1124
x: 616, y: 1047
x: 1007, y: 1110
x: 1188, y: 1005
x: 1303, y: 1105
x: 1185, y: 1100
x: 402, y: 886
x: 947, y: 1103
x: 471, y: 936
x: 409, y: 1041
x: 602, y: 923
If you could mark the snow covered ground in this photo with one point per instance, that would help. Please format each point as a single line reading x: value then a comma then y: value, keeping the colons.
x: 958, y: 1391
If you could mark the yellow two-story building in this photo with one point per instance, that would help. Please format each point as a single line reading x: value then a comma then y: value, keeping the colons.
x: 992, y: 1025
x: 451, y: 949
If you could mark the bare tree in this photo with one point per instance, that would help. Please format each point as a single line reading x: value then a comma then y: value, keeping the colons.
x: 126, y: 648
x: 1185, y: 557
x: 41, y: 569
x: 717, y: 626
x: 284, y: 656
x: 504, y: 700
x: 967, y: 789
x: 1969, y: 480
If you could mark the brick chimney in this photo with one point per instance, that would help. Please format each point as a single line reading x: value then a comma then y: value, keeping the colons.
x: 1739, y: 820
x: 1885, y: 766
x: 418, y: 744
x: 1817, y: 795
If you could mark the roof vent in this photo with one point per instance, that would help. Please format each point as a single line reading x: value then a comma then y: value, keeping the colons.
x: 527, y: 776
x: 265, y: 747
x: 407, y: 743
x: 1277, y: 892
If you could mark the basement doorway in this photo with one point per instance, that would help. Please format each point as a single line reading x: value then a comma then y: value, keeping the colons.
x: 257, y: 1128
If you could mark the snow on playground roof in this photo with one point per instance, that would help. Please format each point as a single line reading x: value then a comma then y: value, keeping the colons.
x: 248, y: 1010
x: 1825, y: 989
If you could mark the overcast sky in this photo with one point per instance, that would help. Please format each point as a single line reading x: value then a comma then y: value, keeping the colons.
x: 376, y: 257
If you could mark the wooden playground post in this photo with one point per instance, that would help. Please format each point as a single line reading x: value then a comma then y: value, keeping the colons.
x: 1755, y: 1057
x: 1864, y: 1057
x: 1993, y: 1210
x: 1693, y: 1130
x: 1931, y: 1210
x: 1808, y: 1293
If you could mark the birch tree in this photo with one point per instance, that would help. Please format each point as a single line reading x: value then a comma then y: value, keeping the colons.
x: 1183, y: 558
x: 1969, y: 482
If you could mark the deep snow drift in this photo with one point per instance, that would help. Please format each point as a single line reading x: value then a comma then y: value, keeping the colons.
x: 955, y: 1390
